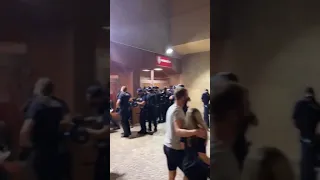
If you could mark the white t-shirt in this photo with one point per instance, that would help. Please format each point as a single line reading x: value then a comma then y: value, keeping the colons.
x: 224, y: 165
x: 174, y: 113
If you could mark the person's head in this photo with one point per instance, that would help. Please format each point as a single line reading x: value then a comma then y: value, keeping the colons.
x: 181, y: 95
x: 229, y: 105
x: 124, y: 89
x: 43, y: 87
x: 273, y: 165
x: 221, y: 79
x: 139, y: 92
x: 194, y: 120
x: 96, y: 94
x: 309, y: 92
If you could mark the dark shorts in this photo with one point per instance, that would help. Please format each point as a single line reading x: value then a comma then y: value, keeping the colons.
x: 174, y: 158
x: 199, y: 171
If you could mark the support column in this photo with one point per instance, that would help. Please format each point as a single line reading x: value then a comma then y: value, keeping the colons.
x: 84, y: 50
x: 135, y: 76
x: 152, y: 78
x: 67, y: 56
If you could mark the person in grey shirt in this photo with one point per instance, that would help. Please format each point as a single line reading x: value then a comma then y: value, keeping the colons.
x: 228, y: 107
x: 174, y: 131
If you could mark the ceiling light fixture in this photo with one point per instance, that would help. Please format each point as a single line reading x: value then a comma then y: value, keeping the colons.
x: 158, y: 69
x: 146, y: 70
x: 169, y: 51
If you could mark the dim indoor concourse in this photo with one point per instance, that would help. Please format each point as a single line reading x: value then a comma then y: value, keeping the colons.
x: 142, y: 155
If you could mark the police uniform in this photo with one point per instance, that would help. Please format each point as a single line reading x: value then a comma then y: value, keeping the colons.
x: 206, y: 99
x: 151, y: 106
x: 164, y: 104
x: 306, y: 117
x: 124, y: 98
x: 158, y: 106
x: 46, y: 113
x: 143, y: 113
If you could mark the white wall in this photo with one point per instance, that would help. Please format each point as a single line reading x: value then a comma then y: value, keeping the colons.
x: 274, y: 48
x: 196, y: 76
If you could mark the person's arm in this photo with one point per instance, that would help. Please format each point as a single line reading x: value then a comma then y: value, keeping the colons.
x: 141, y: 103
x: 201, y: 149
x: 178, y: 127
x: 66, y: 123
x: 100, y: 133
x: 183, y: 132
x: 118, y: 104
x: 203, y: 97
x: 297, y: 115
x: 28, y: 125
x: 104, y: 132
x: 25, y: 133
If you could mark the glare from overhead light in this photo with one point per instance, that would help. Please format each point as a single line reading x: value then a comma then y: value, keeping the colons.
x: 169, y: 51
x: 106, y: 28
x: 158, y: 69
x: 146, y: 70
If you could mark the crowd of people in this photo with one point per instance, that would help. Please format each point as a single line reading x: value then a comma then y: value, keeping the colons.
x: 47, y: 123
x: 153, y: 103
x: 186, y: 137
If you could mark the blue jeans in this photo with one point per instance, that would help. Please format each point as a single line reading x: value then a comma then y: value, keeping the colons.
x: 308, y: 160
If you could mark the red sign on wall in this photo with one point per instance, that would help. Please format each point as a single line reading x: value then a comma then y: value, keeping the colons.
x: 164, y: 62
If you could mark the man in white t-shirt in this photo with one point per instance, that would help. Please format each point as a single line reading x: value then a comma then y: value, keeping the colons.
x: 174, y: 131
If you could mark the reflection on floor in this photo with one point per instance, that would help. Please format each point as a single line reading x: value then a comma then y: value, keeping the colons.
x: 140, y: 158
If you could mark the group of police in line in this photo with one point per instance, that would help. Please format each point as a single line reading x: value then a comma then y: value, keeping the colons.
x: 154, y: 103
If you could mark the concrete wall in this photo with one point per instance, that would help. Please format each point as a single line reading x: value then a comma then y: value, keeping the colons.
x: 140, y: 23
x: 196, y: 76
x: 190, y: 21
x: 274, y: 48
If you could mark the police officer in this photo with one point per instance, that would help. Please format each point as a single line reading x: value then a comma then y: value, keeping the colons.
x: 206, y: 99
x: 164, y: 104
x: 306, y: 117
x: 97, y: 98
x: 124, y: 107
x: 40, y: 131
x: 171, y: 96
x: 151, y: 107
x: 157, y: 109
x: 143, y: 111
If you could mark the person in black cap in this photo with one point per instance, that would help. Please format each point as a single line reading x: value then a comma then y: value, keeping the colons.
x: 306, y: 117
x: 124, y: 106
x: 164, y: 104
x: 143, y: 111
x: 151, y: 105
x: 205, y: 100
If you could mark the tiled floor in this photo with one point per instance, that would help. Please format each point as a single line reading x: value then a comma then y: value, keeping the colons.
x: 140, y: 158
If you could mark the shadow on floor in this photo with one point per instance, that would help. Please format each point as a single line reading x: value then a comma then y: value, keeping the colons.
x: 115, y: 176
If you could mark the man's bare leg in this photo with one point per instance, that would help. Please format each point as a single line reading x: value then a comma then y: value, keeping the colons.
x: 172, y: 175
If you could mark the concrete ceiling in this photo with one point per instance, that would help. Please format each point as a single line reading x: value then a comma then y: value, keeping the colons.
x: 193, y: 47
